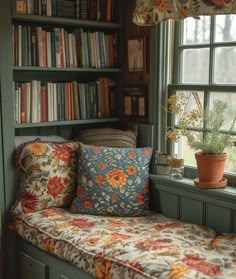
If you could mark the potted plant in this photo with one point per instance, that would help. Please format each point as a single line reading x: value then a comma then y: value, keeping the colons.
x: 209, y: 146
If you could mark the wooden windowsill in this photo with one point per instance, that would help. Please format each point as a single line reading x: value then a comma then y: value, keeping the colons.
x: 227, y: 194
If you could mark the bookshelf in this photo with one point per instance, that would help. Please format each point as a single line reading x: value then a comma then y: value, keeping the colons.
x: 8, y: 126
x: 68, y: 66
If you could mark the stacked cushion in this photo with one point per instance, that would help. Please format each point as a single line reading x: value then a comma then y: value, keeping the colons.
x: 108, y: 137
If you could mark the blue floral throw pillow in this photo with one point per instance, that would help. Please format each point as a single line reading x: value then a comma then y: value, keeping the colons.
x: 112, y: 181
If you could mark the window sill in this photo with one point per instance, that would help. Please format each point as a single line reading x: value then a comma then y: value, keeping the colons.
x: 227, y: 194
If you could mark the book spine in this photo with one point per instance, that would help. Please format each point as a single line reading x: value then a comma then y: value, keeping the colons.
x: 57, y: 47
x: 49, y: 49
x: 19, y: 27
x: 16, y: 91
x: 53, y: 49
x: 33, y: 47
x: 29, y: 47
x: 44, y: 103
x: 20, y: 6
x: 108, y: 17
x: 76, y: 101
x: 28, y: 96
x: 93, y: 9
x: 39, y: 41
x: 82, y: 99
x: 54, y: 90
x: 23, y: 102
x: 44, y: 45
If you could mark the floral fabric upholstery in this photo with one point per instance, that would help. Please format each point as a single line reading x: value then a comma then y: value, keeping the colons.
x: 113, y: 181
x: 150, y: 12
x: 47, y: 175
x: 153, y: 246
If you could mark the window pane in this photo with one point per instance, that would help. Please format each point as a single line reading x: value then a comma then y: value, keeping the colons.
x: 225, y: 30
x: 230, y: 112
x: 195, y: 66
x: 183, y: 151
x: 193, y: 100
x: 230, y: 165
x: 225, y: 65
x: 196, y: 31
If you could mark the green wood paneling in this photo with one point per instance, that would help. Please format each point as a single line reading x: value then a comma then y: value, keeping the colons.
x: 234, y: 221
x: 218, y: 218
x: 167, y: 204
x: 7, y: 129
x: 30, y: 267
x: 214, y: 208
x: 191, y: 210
x: 145, y: 135
x: 57, y: 269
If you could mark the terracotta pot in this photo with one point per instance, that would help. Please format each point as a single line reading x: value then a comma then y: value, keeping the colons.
x: 210, y: 167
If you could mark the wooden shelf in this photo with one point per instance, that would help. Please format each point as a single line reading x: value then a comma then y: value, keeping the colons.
x: 66, y: 122
x: 64, y: 69
x: 88, y: 24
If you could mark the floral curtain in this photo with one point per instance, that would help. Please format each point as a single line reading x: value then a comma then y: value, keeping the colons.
x: 149, y: 12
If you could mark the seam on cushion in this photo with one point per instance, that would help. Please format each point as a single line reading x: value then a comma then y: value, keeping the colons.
x: 83, y: 250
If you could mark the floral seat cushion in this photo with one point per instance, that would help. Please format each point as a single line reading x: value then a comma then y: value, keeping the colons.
x: 152, y: 246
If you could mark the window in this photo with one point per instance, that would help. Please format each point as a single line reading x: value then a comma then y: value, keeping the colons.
x: 204, y: 69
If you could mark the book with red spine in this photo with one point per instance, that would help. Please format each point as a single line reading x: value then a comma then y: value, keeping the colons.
x: 23, y: 102
x: 44, y: 103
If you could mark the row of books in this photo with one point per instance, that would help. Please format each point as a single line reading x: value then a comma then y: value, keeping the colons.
x: 103, y: 10
x: 36, y: 101
x: 36, y: 46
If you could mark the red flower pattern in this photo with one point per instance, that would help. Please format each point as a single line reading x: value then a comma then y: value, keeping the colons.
x: 87, y: 202
x: 167, y: 226
x: 62, y: 152
x: 200, y: 264
x: 79, y: 191
x: 140, y: 198
x: 155, y: 244
x: 29, y: 201
x: 81, y: 223
x: 55, y: 186
x: 221, y: 2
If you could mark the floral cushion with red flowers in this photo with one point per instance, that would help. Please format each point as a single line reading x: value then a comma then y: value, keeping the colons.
x: 47, y: 176
x: 112, y: 181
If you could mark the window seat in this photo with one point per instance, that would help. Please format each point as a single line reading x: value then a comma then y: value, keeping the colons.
x: 152, y: 246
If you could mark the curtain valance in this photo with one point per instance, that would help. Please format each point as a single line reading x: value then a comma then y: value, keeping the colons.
x: 149, y: 12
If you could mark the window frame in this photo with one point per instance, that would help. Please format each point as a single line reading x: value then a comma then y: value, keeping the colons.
x: 177, y: 83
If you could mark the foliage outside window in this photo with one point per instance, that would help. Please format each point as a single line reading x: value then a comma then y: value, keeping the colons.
x: 204, y: 70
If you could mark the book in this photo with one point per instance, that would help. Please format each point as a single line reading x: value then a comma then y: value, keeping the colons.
x: 57, y: 47
x: 23, y: 103
x: 20, y: 6
x: 103, y: 10
x: 34, y: 50
x: 76, y: 101
x: 82, y: 100
x: 127, y: 106
x: 108, y: 17
x: 93, y: 9
x: 44, y: 103
x: 135, y: 101
x: 39, y: 41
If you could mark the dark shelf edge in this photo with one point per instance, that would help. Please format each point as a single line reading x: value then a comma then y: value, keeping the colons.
x: 65, y: 123
x: 54, y: 69
x: 66, y: 21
